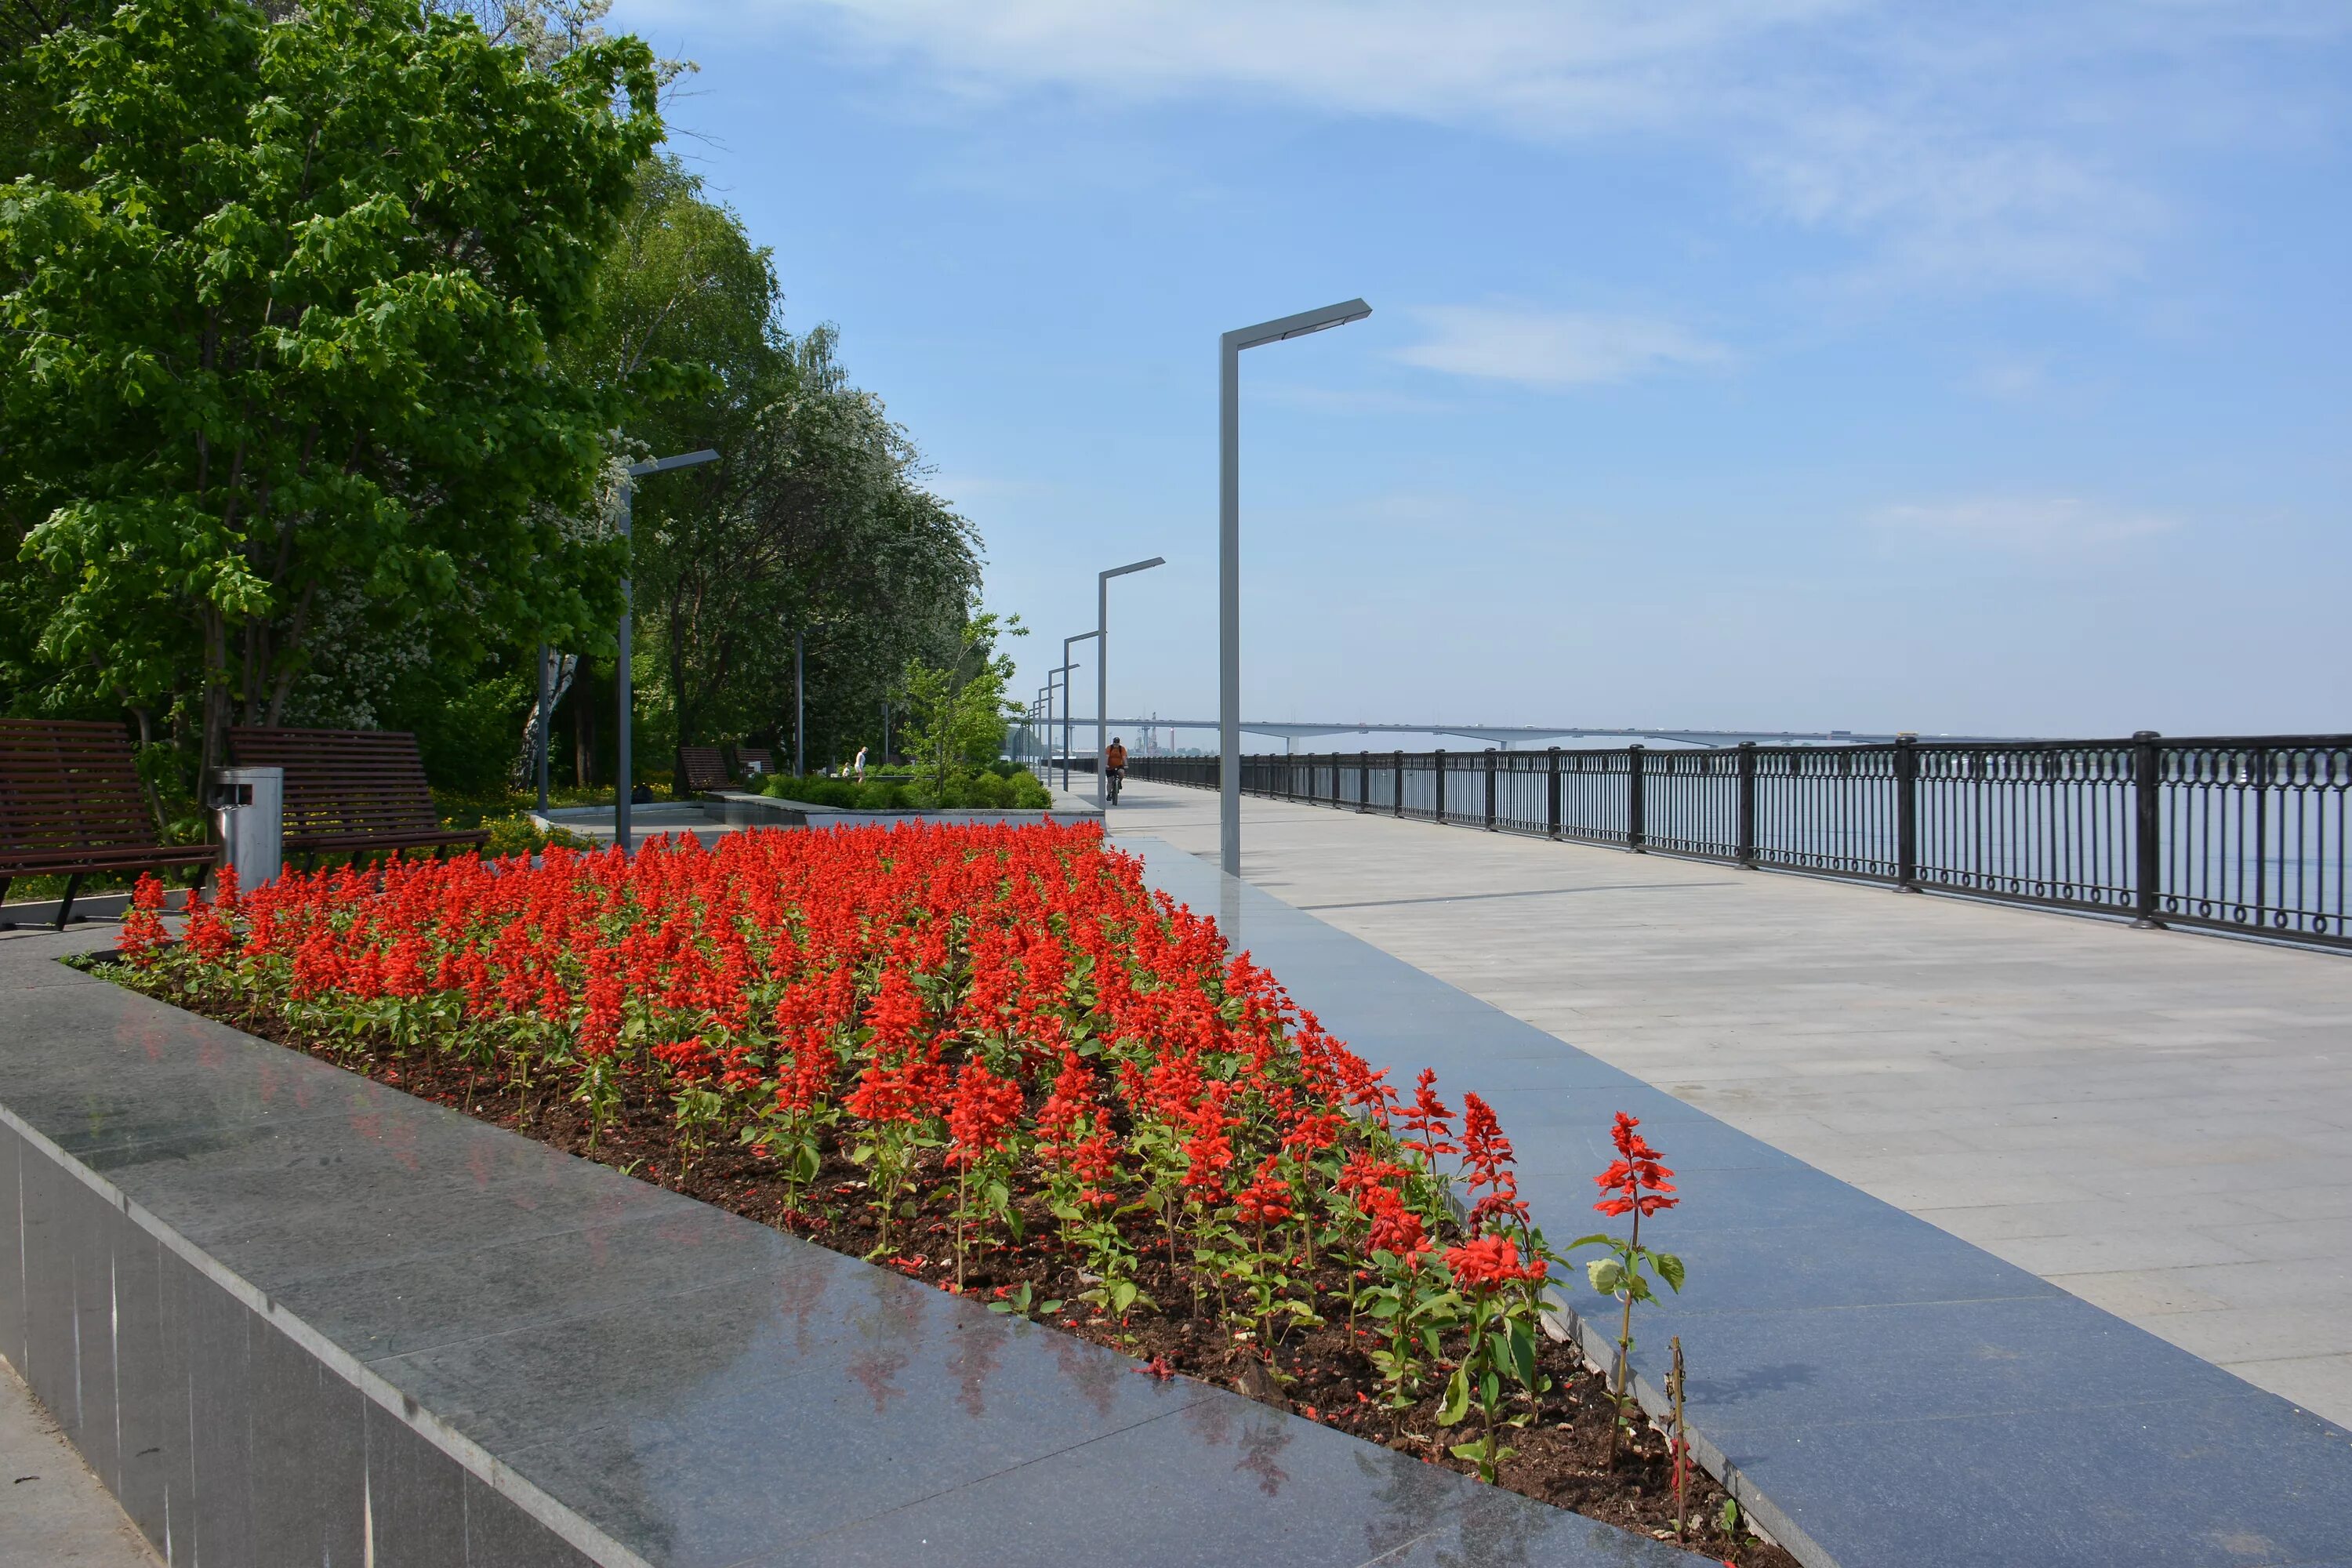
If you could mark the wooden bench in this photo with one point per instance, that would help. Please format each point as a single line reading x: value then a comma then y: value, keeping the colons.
x: 701, y: 769
x: 353, y: 790
x: 746, y: 757
x: 70, y: 806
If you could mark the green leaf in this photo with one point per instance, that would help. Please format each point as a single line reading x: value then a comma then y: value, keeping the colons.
x: 1523, y: 1355
x: 1670, y: 1269
x: 1608, y: 1275
x: 1458, y: 1398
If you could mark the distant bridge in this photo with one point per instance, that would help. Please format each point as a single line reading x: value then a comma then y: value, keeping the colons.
x: 1506, y: 735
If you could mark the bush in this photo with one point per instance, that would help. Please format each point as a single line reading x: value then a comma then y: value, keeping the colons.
x: 839, y: 794
x: 977, y: 791
x: 518, y: 835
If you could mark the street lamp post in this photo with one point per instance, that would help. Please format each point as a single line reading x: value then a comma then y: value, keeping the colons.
x: 1069, y: 701
x: 628, y: 780
x: 539, y: 761
x: 1229, y: 552
x: 1102, y: 673
x: 1061, y: 673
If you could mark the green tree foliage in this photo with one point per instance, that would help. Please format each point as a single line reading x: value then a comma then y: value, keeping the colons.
x: 816, y: 520
x: 957, y: 711
x: 279, y: 301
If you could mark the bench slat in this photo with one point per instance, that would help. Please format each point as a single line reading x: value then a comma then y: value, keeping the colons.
x: 71, y: 804
x: 350, y: 789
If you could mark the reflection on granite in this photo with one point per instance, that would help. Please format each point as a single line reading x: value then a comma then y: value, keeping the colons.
x: 1883, y: 1391
x: 465, y: 1336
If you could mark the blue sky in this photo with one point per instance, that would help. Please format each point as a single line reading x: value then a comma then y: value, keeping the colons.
x: 1773, y: 363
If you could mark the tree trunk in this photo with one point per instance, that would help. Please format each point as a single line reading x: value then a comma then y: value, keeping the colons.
x: 583, y: 730
x: 559, y: 681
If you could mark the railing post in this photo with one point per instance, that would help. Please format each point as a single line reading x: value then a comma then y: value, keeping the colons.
x: 1633, y: 798
x: 1747, y: 803
x: 1551, y: 795
x: 1490, y: 789
x: 1439, y: 755
x: 1363, y: 781
x: 2148, y: 829
x: 1907, y: 813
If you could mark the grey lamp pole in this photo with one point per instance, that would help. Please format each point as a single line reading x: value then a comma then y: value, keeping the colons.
x: 1102, y: 673
x: 628, y: 780
x: 1068, y: 703
x: 540, y: 762
x: 1229, y: 553
x: 1062, y: 674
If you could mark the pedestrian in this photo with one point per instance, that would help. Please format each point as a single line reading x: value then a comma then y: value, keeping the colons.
x: 860, y: 765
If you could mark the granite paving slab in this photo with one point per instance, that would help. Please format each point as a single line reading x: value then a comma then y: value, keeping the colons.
x: 332, y: 1277
x: 1876, y: 1389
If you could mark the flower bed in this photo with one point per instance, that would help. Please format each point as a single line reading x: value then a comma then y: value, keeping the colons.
x: 989, y: 1058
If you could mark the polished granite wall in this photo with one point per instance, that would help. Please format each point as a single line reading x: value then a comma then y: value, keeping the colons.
x: 282, y: 1309
x: 226, y: 1441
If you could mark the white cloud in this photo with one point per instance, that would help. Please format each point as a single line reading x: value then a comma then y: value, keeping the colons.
x: 2022, y: 525
x: 1968, y: 146
x: 1552, y: 347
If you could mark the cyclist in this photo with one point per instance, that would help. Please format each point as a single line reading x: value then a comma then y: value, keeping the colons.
x: 1115, y: 767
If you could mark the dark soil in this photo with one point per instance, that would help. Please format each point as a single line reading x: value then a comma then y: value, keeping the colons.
x: 1324, y: 1373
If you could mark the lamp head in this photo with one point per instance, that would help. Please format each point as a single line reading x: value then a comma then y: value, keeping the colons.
x: 1299, y: 325
x: 663, y: 465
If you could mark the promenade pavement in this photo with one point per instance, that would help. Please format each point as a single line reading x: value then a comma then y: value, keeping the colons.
x: 2160, y: 1123
x: 54, y: 1511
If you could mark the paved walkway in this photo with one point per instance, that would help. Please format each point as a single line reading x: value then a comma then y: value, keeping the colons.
x: 2160, y: 1123
x: 53, y: 1511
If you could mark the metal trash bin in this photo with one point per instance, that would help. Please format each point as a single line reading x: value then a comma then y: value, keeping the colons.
x: 249, y: 805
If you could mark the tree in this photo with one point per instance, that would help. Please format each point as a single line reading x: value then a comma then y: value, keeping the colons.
x: 279, y: 303
x: 957, y: 711
x: 813, y: 522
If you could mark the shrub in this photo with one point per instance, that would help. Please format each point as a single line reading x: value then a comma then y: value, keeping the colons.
x: 1028, y: 795
x: 518, y: 835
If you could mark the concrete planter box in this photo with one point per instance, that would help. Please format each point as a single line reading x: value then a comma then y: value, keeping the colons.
x: 293, y: 1316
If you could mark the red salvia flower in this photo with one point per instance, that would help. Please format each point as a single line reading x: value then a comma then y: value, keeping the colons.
x: 1636, y: 1179
x: 1267, y: 1200
x: 1489, y: 1261
x: 984, y: 1107
x: 1430, y: 1120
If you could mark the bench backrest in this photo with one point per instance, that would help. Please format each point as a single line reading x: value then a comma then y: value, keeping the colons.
x: 343, y: 781
x: 703, y: 766
x: 67, y: 784
x: 746, y: 755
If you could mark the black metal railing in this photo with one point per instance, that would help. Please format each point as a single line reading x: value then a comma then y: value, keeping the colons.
x: 2243, y: 834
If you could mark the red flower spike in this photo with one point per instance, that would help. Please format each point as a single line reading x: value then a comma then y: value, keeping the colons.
x: 1637, y: 1180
